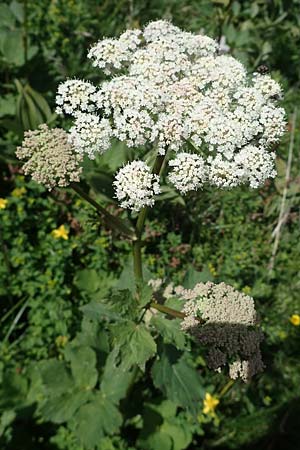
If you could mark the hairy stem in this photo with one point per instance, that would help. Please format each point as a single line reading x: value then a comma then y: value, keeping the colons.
x: 112, y: 221
x: 137, y: 243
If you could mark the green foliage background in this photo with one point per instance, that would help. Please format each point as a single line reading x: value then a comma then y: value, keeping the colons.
x: 62, y: 387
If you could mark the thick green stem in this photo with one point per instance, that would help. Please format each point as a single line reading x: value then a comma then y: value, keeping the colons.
x: 171, y: 312
x: 141, y: 222
x: 167, y: 310
x: 137, y: 243
x: 112, y: 221
x: 137, y: 262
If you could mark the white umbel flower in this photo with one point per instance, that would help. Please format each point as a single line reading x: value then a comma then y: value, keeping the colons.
x: 160, y: 29
x: 267, y: 86
x: 133, y: 128
x: 90, y: 134
x: 73, y: 96
x: 257, y: 165
x: 188, y: 173
x: 223, y: 173
x: 110, y: 54
x: 273, y: 123
x: 136, y: 186
x: 168, y: 88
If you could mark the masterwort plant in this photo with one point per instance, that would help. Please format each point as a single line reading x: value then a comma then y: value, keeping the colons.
x: 209, y: 123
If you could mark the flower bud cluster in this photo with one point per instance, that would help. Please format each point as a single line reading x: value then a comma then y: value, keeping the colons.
x: 51, y: 159
x: 225, y: 321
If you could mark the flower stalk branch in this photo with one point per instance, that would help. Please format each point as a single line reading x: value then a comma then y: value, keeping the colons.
x: 166, y: 310
x: 140, y: 223
x: 112, y: 221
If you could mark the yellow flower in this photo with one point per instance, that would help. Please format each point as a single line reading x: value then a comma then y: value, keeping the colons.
x: 295, y: 320
x: 61, y: 341
x: 3, y: 203
x: 212, y: 269
x: 209, y: 404
x: 267, y: 400
x: 60, y: 232
x: 18, y: 192
x: 246, y: 290
x: 102, y: 242
x: 282, y: 334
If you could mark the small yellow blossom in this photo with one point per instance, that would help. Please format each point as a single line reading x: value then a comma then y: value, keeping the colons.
x: 282, y: 334
x: 267, y: 400
x: 246, y: 290
x: 102, y: 242
x: 209, y: 404
x: 3, y: 203
x: 61, y: 341
x: 295, y: 320
x: 51, y: 283
x: 61, y: 232
x: 18, y: 192
x: 212, y: 269
x: 151, y: 260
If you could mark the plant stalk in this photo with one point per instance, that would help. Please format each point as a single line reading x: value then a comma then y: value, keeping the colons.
x: 112, y: 221
x: 165, y: 309
x: 137, y: 244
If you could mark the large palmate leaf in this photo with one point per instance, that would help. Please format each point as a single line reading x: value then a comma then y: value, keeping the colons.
x: 62, y: 408
x: 101, y: 311
x: 55, y: 377
x: 61, y: 396
x: 134, y: 343
x: 13, y: 390
x: 119, y: 305
x: 177, y: 379
x: 83, y: 366
x: 93, y: 335
x: 163, y: 428
x: 170, y: 331
x: 114, y: 382
x: 96, y: 419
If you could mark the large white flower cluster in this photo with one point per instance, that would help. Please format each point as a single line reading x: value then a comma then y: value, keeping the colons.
x: 173, y: 90
x: 188, y: 172
x: 90, y: 134
x: 136, y: 186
